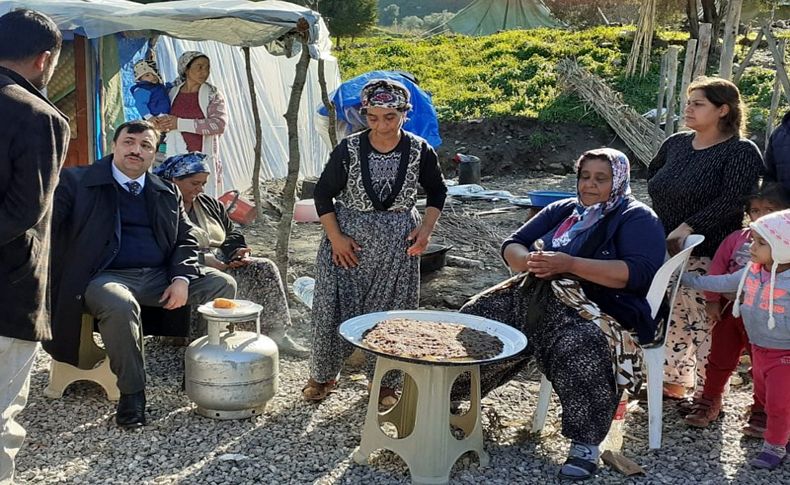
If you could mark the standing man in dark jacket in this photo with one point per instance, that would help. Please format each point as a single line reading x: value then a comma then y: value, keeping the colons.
x: 777, y: 154
x: 121, y: 239
x: 33, y: 140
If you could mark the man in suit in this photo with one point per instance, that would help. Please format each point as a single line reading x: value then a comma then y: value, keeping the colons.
x: 121, y: 239
x: 34, y: 136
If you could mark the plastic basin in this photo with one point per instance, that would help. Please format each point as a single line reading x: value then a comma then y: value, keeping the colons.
x: 542, y: 198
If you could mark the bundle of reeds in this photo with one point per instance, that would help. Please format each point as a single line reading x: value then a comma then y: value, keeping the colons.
x: 643, y: 40
x: 639, y: 134
x: 462, y: 228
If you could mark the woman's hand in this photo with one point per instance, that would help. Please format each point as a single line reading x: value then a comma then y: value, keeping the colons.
x: 344, y: 251
x: 160, y: 122
x: 240, y: 257
x: 215, y: 263
x: 166, y: 123
x: 677, y: 238
x: 420, y: 236
x: 545, y: 264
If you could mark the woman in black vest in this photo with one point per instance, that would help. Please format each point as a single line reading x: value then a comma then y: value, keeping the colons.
x: 368, y: 261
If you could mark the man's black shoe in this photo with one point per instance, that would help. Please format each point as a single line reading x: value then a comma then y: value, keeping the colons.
x: 131, y: 410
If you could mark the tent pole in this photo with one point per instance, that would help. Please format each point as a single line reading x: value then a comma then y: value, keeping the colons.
x: 330, y: 106
x: 291, y: 121
x: 256, y: 167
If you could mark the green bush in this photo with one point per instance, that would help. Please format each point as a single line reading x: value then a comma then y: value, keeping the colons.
x: 512, y: 73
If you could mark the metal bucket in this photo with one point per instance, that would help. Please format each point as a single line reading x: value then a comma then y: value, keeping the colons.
x: 469, y: 172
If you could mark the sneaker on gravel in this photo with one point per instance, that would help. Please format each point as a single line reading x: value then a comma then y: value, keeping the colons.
x: 770, y: 457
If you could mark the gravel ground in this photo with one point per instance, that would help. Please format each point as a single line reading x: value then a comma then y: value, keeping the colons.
x: 74, y: 439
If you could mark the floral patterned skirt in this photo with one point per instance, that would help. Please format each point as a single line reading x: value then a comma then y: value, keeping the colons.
x: 386, y: 279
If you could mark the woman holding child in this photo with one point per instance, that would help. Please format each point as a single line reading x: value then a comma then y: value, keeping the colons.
x: 698, y: 182
x: 585, y: 266
x: 197, y: 116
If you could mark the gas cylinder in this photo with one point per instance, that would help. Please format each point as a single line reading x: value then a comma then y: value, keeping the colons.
x: 231, y: 374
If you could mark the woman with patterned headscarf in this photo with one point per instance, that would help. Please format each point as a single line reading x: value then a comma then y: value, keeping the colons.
x: 222, y: 246
x: 197, y: 116
x: 585, y: 265
x: 369, y: 259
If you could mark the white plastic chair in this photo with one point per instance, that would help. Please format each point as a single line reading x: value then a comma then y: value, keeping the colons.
x: 653, y: 352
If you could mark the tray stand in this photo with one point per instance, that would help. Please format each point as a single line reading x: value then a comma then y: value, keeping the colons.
x: 422, y: 418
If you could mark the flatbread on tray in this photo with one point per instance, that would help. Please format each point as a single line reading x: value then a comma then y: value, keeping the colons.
x: 434, y: 341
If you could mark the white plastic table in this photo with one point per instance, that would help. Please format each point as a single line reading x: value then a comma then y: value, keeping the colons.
x: 422, y: 416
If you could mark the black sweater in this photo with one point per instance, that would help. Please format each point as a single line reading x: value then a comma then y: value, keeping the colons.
x: 705, y: 188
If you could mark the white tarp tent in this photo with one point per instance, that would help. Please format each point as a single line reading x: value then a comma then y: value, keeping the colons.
x: 217, y: 28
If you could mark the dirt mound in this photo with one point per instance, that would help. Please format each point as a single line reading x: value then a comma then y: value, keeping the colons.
x: 516, y: 145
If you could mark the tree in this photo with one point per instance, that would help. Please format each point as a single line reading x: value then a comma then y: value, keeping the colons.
x: 391, y: 14
x: 436, y: 19
x: 345, y: 18
x: 412, y: 22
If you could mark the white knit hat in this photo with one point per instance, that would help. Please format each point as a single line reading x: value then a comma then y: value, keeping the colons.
x: 144, y: 67
x: 775, y: 229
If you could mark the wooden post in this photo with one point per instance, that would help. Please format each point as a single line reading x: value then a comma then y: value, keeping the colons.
x: 79, y: 150
x: 292, y: 120
x: 256, y: 117
x: 685, y: 79
x: 328, y: 104
x: 775, y: 96
x: 736, y: 78
x: 672, y: 81
x: 730, y: 33
x: 779, y: 61
x: 701, y: 62
x: 662, y: 86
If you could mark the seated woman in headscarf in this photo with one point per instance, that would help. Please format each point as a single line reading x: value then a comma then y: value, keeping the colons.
x: 223, y: 247
x: 585, y: 266
x: 197, y: 116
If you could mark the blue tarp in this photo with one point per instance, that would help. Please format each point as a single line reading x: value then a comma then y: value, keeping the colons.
x: 421, y: 121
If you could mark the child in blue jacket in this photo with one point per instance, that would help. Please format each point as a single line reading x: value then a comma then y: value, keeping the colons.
x: 150, y: 93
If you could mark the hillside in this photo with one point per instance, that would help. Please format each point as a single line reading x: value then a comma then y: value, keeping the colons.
x: 512, y: 73
x: 421, y: 8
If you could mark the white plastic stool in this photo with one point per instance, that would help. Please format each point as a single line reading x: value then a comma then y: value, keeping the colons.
x: 93, y: 365
x: 422, y: 418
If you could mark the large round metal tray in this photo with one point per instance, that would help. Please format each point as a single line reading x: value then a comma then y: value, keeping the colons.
x: 513, y: 340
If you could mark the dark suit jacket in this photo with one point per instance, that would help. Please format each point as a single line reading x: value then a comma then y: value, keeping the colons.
x: 86, y: 228
x: 34, y: 136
